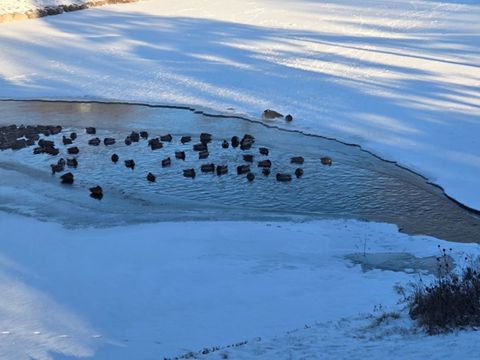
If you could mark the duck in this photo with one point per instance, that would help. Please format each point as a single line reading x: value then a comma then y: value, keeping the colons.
x: 283, y: 177
x: 248, y: 158
x: 166, y: 138
x: 247, y: 142
x: 289, y: 118
x: 222, y: 169
x: 297, y: 160
x: 19, y: 144
x: 114, y: 158
x: 189, y: 173
x: 94, y: 141
x: 205, y: 138
x: 46, y: 143
x: 248, y: 137
x: 51, y: 151
x: 144, y: 134
x: 47, y: 147
x: 72, y: 163
x: 235, y: 141
x: 271, y: 114
x: 203, y: 154
x: 326, y: 160
x: 36, y: 151
x: 91, y: 130
x: 45, y: 130
x: 200, y: 147
x: 66, y: 141
x: 185, y: 139
x: 166, y: 162
x: 207, y: 168
x: 265, y: 163
x: 73, y: 150
x: 245, y: 146
x: 67, y: 178
x: 151, y: 177
x: 225, y: 144
x: 54, y: 130
x: 243, y: 169
x: 180, y: 155
x: 155, y: 144
x: 263, y: 151
x: 130, y: 164
x: 298, y: 172
x: 96, y: 192
x: 57, y: 168
x: 108, y: 141
x: 135, y: 136
x: 32, y: 136
x: 250, y: 176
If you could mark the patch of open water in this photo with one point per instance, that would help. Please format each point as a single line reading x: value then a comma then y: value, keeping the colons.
x: 358, y: 185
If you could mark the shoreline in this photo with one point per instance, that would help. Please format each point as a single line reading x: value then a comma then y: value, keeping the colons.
x: 43, y: 11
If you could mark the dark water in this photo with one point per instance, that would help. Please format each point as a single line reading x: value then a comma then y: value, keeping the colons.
x: 357, y: 185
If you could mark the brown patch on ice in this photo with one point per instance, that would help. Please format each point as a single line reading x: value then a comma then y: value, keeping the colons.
x: 403, y: 262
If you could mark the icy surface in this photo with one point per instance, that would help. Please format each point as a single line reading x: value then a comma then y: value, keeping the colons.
x: 155, y: 290
x: 399, y: 77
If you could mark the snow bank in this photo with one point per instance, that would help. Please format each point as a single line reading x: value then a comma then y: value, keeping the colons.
x: 401, y: 78
x: 12, y: 10
x: 149, y: 291
x: 354, y: 339
x: 22, y: 6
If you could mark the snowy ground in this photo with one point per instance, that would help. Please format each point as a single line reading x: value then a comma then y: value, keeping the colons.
x: 399, y: 77
x: 148, y: 291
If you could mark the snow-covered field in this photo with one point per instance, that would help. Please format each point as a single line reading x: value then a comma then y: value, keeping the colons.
x: 399, y: 77
x: 149, y: 291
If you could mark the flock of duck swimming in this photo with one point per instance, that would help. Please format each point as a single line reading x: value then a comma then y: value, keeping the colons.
x: 202, y: 148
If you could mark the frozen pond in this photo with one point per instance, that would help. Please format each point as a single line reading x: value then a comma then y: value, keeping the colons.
x: 358, y: 185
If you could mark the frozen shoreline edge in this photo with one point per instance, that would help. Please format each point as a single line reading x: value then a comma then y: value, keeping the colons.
x: 40, y: 12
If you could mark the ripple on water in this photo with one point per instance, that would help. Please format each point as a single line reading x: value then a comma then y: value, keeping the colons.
x: 357, y: 185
